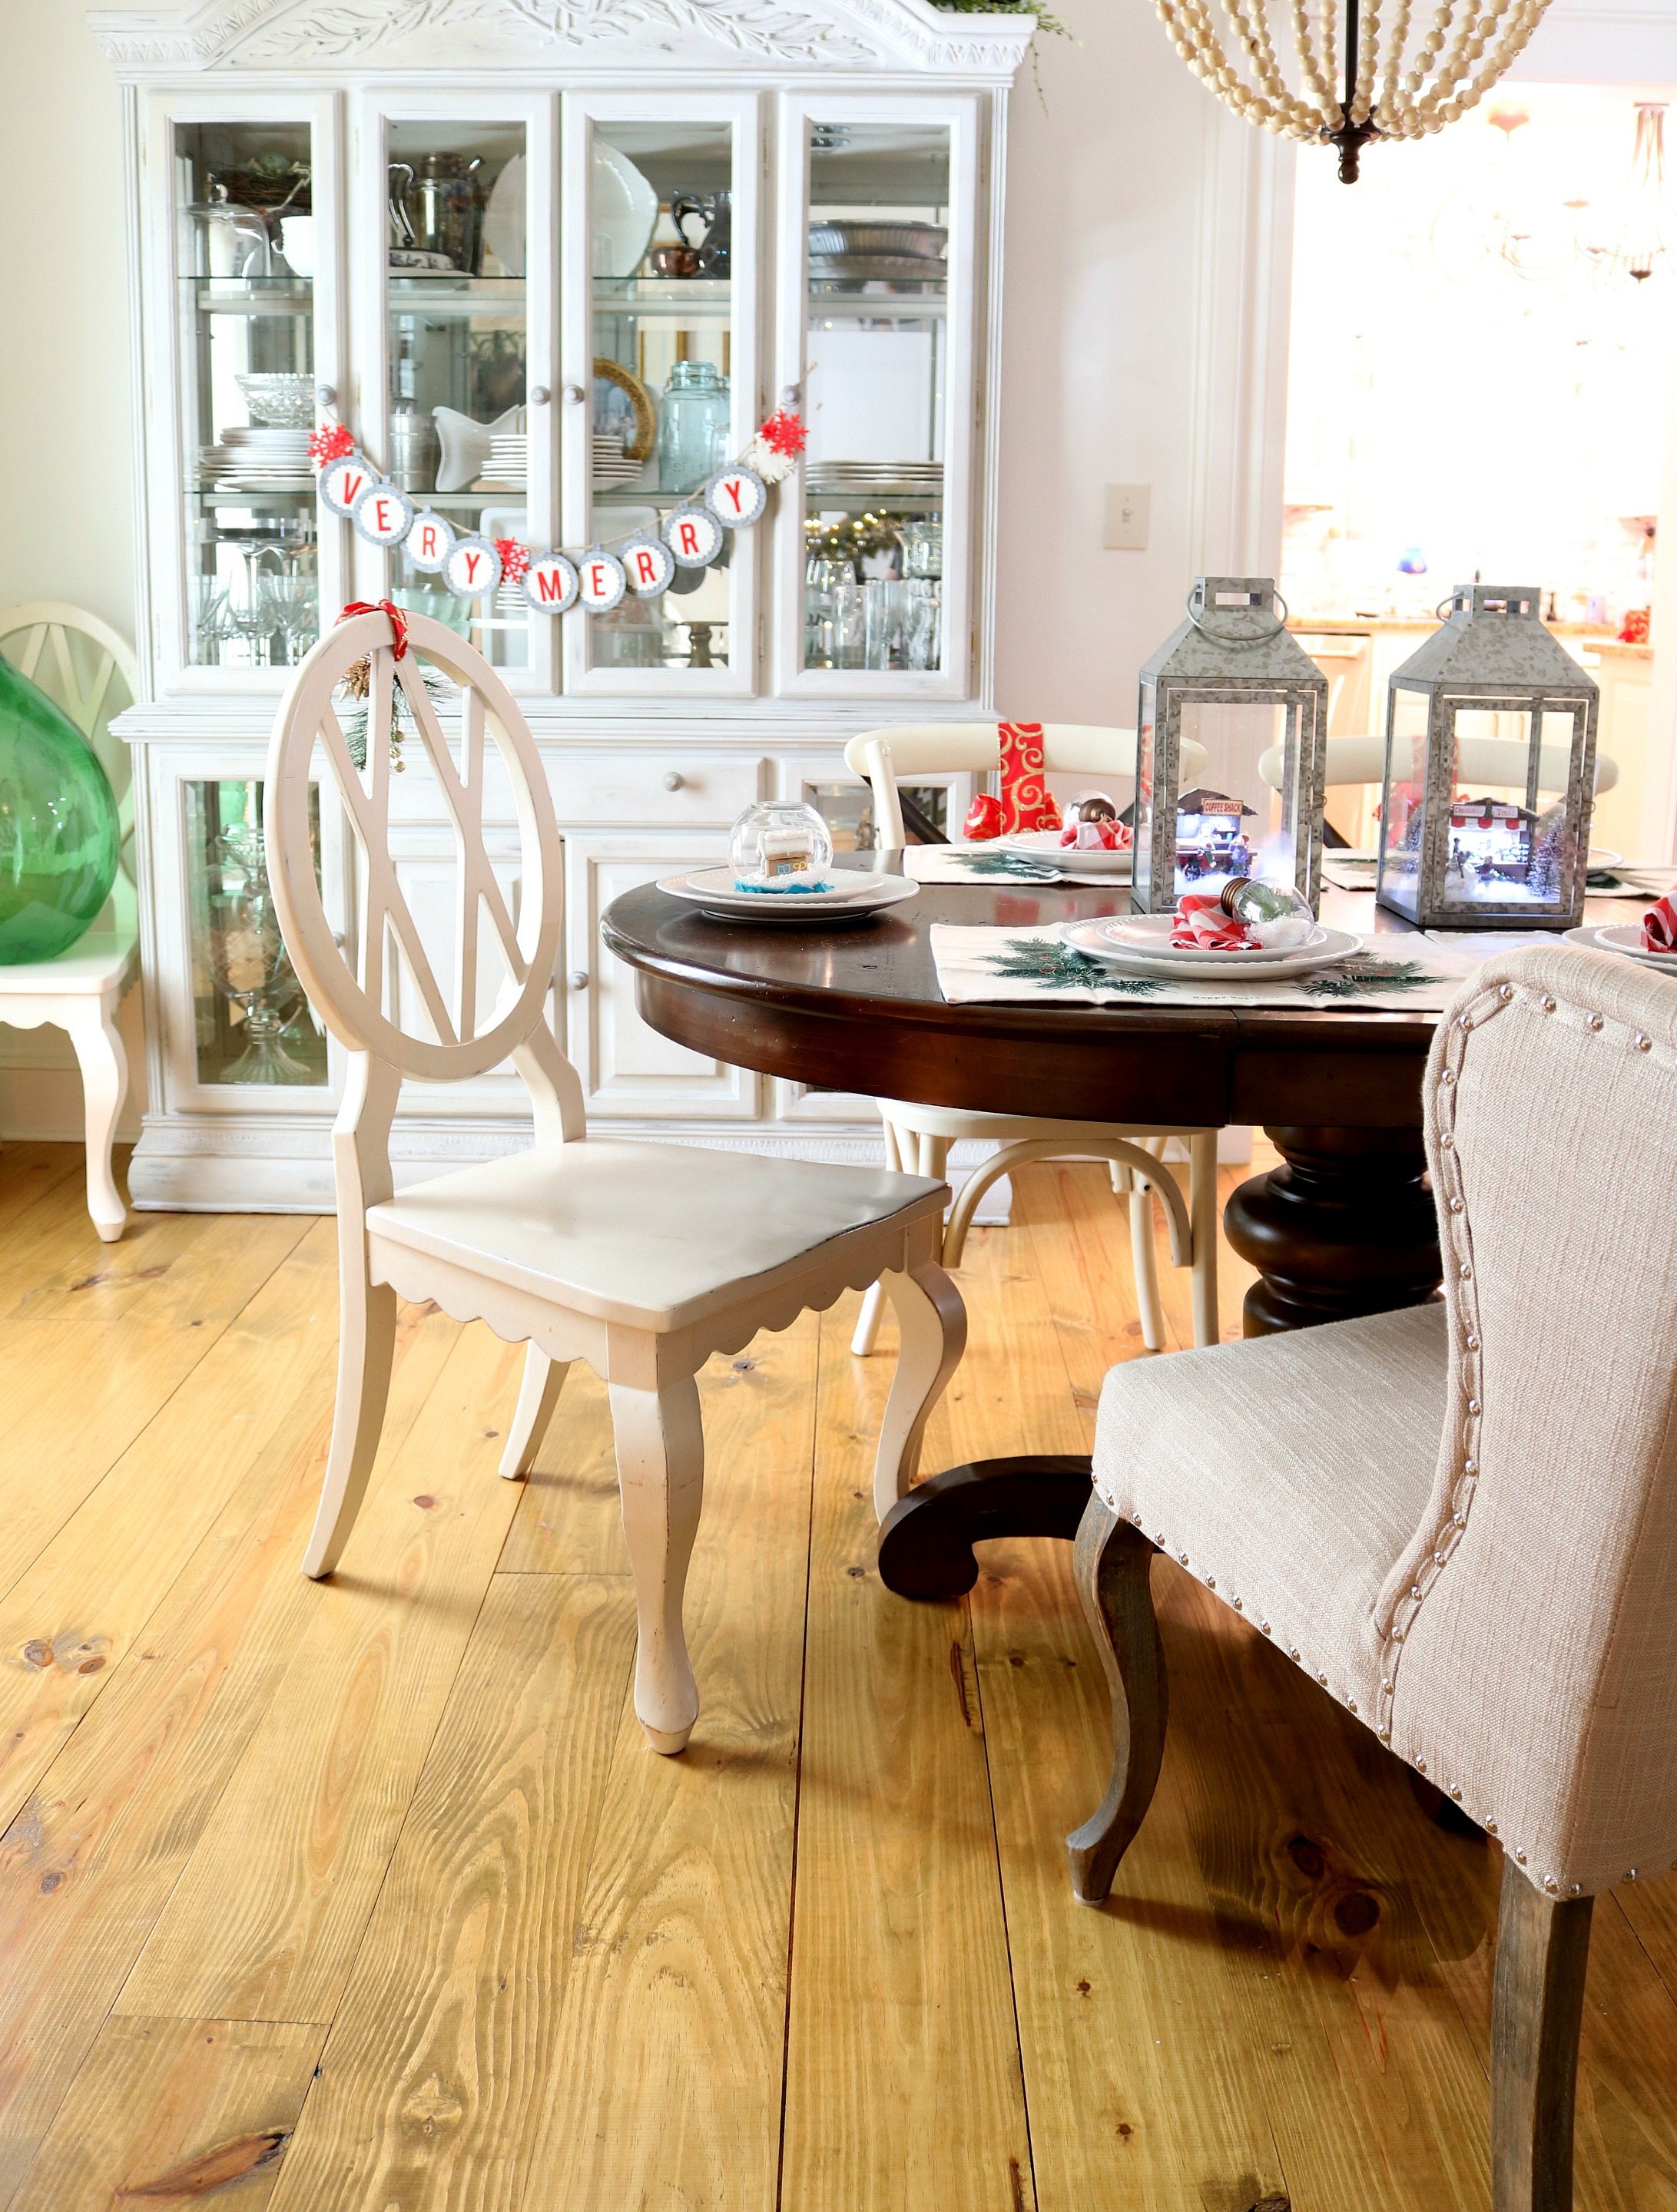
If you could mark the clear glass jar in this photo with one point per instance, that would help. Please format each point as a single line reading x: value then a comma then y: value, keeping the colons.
x: 693, y: 425
x: 781, y: 842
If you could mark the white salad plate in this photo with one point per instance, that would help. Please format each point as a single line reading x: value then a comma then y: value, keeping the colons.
x: 1044, y: 845
x: 855, y: 897
x: 1624, y: 938
x: 1140, y: 944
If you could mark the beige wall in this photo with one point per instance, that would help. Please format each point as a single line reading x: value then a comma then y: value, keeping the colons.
x: 66, y: 494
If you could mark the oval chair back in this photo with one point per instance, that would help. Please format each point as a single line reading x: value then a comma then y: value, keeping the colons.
x: 382, y: 994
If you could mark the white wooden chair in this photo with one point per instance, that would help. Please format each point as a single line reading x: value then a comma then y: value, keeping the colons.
x: 1461, y: 1519
x: 640, y: 1259
x: 85, y: 667
x: 918, y: 1136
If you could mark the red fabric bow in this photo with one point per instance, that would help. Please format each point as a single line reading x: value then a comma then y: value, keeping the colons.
x: 1025, y: 803
x: 983, y: 817
x: 1659, y: 928
x: 399, y: 622
x: 1202, y: 926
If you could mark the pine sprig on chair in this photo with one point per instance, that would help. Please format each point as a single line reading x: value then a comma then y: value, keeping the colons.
x: 356, y: 685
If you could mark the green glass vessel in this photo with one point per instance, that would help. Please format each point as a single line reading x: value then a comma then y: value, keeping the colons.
x: 59, y: 832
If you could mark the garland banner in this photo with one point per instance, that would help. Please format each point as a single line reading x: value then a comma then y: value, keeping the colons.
x: 596, y: 578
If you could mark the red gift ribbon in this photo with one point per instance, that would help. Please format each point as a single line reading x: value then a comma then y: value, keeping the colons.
x: 1025, y: 803
x: 399, y: 622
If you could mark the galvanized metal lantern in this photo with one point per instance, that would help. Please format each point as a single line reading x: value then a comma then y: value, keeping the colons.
x: 1489, y: 771
x: 1231, y: 679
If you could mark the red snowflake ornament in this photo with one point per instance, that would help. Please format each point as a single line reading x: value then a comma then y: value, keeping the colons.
x: 514, y: 560
x: 332, y: 442
x: 784, y: 433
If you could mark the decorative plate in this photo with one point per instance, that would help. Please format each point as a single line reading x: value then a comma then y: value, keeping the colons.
x: 1044, y: 845
x: 1624, y: 938
x: 853, y: 898
x: 1149, y: 953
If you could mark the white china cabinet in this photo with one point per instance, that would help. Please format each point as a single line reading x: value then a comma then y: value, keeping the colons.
x: 551, y: 262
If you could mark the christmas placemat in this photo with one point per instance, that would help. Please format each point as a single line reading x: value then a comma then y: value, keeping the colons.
x: 977, y: 864
x: 1641, y: 884
x: 985, y: 962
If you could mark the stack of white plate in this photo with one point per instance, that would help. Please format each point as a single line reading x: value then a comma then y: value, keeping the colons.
x: 612, y: 465
x: 872, y: 476
x: 1140, y: 944
x: 509, y: 459
x: 1624, y: 938
x: 257, y: 457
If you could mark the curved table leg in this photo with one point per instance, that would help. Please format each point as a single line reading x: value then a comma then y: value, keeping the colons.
x: 104, y: 1064
x: 1344, y: 1226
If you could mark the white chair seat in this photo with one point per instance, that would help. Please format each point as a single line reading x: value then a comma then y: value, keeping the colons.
x: 645, y: 1236
x: 1307, y: 1540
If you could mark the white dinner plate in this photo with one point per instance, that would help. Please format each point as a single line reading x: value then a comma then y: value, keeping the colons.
x: 624, y: 213
x: 711, y: 891
x: 1624, y: 938
x: 1044, y: 845
x: 1151, y: 953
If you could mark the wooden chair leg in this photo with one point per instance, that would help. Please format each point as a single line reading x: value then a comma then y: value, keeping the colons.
x: 1203, y: 1216
x: 660, y: 1480
x: 873, y: 1298
x: 366, y: 1346
x: 1144, y: 1262
x: 932, y: 1328
x: 1111, y: 1563
x: 104, y: 1063
x: 538, y: 1394
x: 1542, y: 1949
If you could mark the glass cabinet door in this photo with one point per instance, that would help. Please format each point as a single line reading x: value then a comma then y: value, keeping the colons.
x: 253, y: 215
x: 251, y: 1022
x: 460, y: 207
x: 876, y: 312
x: 661, y: 353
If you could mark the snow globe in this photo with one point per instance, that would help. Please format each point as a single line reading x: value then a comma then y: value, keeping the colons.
x: 782, y: 846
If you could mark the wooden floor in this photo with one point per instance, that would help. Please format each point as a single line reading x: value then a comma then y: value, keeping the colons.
x: 366, y: 1896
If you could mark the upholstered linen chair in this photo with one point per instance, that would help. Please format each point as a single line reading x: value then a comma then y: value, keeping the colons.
x: 640, y: 1259
x: 1462, y: 1519
x: 921, y: 1137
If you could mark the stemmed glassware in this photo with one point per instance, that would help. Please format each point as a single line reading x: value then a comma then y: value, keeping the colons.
x: 248, y: 962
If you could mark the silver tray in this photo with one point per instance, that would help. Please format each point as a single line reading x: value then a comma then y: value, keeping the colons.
x: 917, y: 241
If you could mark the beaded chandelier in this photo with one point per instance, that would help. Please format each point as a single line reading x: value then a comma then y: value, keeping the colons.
x: 1350, y: 82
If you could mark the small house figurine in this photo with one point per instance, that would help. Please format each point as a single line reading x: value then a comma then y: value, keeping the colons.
x: 1230, y: 680
x: 1489, y: 771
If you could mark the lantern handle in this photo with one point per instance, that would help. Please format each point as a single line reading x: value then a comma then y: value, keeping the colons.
x: 1239, y: 644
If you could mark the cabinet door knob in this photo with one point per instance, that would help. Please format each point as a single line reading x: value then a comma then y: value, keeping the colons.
x: 673, y: 779
x: 324, y: 395
x: 540, y: 395
x: 573, y: 395
x: 578, y: 979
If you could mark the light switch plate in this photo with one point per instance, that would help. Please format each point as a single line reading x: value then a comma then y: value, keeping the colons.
x: 1126, y: 506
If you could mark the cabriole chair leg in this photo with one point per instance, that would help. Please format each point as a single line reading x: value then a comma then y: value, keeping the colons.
x: 1111, y: 1563
x: 660, y: 1447
x: 538, y: 1394
x: 931, y: 1334
x: 873, y: 1298
x: 1542, y: 1951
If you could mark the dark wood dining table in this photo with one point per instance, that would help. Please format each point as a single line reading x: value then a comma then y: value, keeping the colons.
x: 1343, y: 1225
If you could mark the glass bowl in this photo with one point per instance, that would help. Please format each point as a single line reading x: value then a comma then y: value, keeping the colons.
x: 285, y: 399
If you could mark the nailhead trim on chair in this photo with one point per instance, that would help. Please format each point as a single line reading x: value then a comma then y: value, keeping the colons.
x: 1457, y: 1238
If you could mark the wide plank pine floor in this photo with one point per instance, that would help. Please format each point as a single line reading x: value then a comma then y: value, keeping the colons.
x: 367, y: 1897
